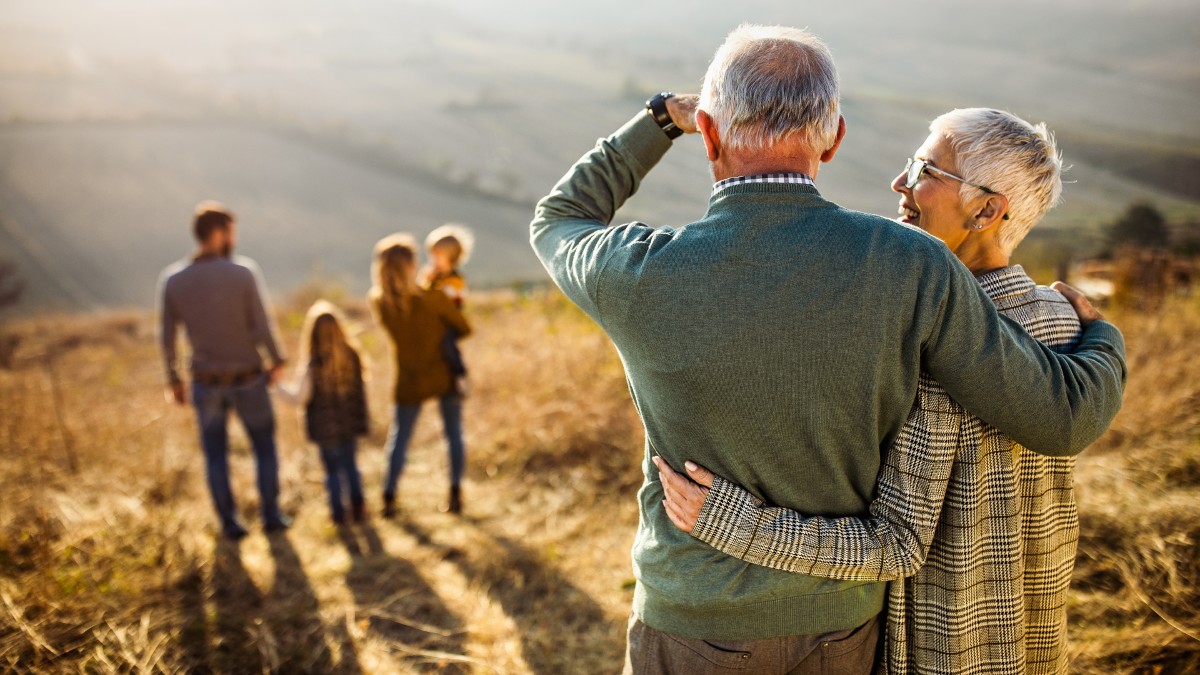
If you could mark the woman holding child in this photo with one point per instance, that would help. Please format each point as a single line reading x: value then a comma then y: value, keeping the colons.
x: 417, y: 321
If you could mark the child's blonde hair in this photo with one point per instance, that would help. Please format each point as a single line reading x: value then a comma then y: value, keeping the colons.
x: 455, y: 238
x: 329, y: 350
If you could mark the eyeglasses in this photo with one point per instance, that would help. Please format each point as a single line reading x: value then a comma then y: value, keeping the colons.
x: 915, y: 167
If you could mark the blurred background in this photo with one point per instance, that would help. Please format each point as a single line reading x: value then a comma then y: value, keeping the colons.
x: 325, y: 126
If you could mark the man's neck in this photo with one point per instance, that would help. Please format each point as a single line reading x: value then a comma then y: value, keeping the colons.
x: 784, y: 160
x: 206, y: 253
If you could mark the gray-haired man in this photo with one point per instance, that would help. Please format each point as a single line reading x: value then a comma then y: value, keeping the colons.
x: 219, y: 300
x: 781, y: 320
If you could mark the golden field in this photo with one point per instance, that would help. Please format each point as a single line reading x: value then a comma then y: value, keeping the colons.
x: 110, y: 559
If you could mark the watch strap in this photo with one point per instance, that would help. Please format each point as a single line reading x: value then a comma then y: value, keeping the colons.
x: 657, y: 107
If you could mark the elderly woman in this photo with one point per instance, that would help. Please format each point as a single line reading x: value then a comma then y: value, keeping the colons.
x: 977, y: 532
x: 417, y: 321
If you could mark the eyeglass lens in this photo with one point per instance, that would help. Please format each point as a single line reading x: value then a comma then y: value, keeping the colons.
x: 914, y: 168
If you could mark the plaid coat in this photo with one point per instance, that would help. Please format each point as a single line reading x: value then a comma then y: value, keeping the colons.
x: 976, y: 533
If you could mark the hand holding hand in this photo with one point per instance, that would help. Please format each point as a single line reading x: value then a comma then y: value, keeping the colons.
x: 1083, y: 307
x: 274, y: 374
x: 682, y: 108
x: 684, y: 497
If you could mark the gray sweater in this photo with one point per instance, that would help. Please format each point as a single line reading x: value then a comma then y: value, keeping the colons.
x: 778, y: 341
x: 220, y: 303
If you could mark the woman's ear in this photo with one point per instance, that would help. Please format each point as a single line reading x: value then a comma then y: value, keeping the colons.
x: 708, y: 132
x: 993, y: 210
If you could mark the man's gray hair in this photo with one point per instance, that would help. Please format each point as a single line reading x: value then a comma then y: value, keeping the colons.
x: 769, y: 83
x: 1009, y: 155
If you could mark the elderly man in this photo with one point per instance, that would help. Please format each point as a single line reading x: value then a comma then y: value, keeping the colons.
x: 779, y: 341
x: 218, y: 299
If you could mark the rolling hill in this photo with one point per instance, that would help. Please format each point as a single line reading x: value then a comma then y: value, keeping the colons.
x: 324, y: 128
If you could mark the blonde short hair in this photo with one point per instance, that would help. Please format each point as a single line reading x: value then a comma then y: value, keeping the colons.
x: 1009, y: 155
x: 457, y: 238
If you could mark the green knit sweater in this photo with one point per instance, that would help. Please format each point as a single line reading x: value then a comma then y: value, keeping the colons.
x: 778, y: 342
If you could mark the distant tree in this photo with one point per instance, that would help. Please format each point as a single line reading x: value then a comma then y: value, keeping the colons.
x: 1141, y: 225
x: 1188, y: 244
x: 11, y: 285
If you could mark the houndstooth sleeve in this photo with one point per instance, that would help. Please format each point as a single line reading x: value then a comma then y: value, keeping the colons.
x: 890, y: 543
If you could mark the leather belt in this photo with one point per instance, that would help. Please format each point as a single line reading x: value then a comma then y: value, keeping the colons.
x: 227, y: 379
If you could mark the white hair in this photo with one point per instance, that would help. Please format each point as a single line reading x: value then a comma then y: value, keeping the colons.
x: 1010, y: 156
x: 770, y: 83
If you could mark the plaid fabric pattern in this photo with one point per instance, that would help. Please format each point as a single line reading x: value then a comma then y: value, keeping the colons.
x: 976, y: 533
x: 795, y: 178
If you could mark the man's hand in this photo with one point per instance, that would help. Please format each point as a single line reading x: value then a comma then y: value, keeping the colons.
x: 682, y: 108
x: 274, y: 374
x: 176, y: 393
x: 1083, y: 307
x: 684, y: 497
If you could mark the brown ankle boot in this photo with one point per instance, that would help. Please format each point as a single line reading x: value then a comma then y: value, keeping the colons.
x: 455, y: 499
x: 358, y: 511
x: 389, y: 505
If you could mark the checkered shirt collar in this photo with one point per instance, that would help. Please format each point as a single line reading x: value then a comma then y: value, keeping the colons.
x: 795, y: 178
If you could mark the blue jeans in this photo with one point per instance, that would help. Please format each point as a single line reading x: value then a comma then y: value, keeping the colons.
x: 340, y: 467
x: 253, y: 407
x: 452, y: 354
x: 401, y: 433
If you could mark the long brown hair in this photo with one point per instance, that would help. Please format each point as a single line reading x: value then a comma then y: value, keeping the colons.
x: 394, y: 272
x: 329, y: 350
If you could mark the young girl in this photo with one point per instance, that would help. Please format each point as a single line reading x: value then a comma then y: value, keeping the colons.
x: 330, y: 385
x: 449, y: 247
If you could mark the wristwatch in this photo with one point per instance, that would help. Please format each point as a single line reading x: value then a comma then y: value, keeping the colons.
x: 657, y: 107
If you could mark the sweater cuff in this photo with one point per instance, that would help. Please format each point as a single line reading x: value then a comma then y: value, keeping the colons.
x: 642, y: 140
x: 1106, y: 335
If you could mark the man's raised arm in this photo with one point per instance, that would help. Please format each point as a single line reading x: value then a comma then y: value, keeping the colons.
x: 569, y: 232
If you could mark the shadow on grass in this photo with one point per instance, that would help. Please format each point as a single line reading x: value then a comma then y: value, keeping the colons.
x: 558, y: 620
x: 237, y: 603
x: 301, y: 639
x: 400, y: 607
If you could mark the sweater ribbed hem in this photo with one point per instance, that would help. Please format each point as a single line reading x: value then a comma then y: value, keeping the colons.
x: 850, y: 607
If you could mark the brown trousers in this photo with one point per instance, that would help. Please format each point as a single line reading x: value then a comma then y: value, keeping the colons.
x: 845, y: 652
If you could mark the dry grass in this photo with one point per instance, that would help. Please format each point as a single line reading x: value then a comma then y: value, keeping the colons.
x: 1136, y: 590
x: 109, y: 559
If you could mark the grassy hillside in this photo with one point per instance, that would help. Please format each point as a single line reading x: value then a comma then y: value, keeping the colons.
x: 109, y: 559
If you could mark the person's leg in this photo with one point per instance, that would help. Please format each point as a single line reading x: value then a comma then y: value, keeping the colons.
x: 331, y: 460
x: 403, y: 423
x: 451, y: 407
x: 211, y: 416
x: 253, y: 404
x: 353, y: 479
x: 453, y: 354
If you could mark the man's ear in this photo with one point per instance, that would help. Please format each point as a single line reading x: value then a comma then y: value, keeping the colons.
x: 837, y: 143
x: 993, y: 210
x: 708, y: 131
